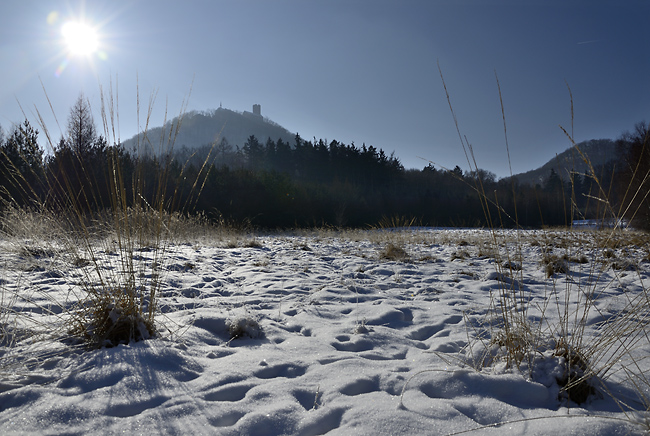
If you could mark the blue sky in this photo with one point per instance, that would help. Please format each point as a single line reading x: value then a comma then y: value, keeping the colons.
x: 362, y: 71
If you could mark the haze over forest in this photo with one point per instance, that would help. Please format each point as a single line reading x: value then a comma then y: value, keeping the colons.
x: 298, y: 182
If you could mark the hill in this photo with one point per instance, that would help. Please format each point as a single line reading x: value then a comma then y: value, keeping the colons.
x: 207, y: 127
x: 598, y: 151
x: 202, y: 129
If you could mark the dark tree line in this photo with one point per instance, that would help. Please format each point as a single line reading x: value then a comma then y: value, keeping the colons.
x: 313, y: 183
x: 307, y: 183
x: 80, y: 175
x: 634, y: 189
x: 21, y: 164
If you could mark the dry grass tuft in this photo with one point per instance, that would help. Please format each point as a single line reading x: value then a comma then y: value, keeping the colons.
x: 459, y: 255
x: 394, y: 252
x: 253, y: 243
x: 244, y: 326
x: 554, y: 264
x: 397, y: 222
x: 577, y: 381
x: 108, y: 322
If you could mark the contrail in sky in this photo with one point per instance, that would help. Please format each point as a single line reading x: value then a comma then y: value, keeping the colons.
x: 588, y: 42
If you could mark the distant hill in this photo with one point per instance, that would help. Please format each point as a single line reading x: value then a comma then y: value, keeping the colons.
x: 204, y: 128
x: 598, y: 151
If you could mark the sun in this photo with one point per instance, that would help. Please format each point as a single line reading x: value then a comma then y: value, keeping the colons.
x: 80, y: 38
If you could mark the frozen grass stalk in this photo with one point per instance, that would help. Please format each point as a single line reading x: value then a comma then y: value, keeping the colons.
x: 519, y: 335
x: 120, y: 247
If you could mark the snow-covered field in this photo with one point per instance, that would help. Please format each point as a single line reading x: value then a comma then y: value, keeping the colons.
x: 345, y: 337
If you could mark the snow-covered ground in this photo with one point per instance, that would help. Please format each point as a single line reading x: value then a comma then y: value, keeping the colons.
x: 352, y: 339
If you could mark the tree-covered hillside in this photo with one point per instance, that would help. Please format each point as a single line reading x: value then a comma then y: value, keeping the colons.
x: 598, y: 152
x: 199, y: 129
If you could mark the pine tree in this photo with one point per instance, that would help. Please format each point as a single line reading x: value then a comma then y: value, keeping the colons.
x: 21, y: 164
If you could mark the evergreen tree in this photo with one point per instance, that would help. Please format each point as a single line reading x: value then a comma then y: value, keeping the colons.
x: 224, y: 149
x: 254, y: 153
x: 79, y: 169
x: 81, y: 133
x: 21, y: 164
x: 634, y: 186
x: 553, y: 184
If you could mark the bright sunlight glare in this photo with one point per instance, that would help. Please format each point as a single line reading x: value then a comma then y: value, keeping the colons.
x: 80, y: 38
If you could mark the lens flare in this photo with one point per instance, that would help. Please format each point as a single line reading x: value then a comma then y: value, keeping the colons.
x: 61, y: 68
x: 52, y: 17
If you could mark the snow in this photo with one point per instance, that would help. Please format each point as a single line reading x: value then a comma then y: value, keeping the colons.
x: 319, y: 333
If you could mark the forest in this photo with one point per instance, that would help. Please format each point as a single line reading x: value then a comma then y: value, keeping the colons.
x: 310, y: 183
